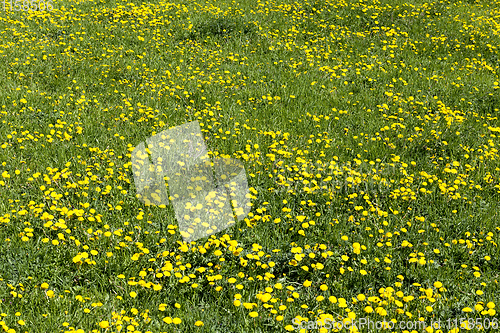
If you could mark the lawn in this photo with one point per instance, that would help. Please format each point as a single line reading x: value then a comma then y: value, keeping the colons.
x: 369, y: 134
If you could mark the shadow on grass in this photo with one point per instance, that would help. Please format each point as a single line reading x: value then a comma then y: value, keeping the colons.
x: 220, y: 27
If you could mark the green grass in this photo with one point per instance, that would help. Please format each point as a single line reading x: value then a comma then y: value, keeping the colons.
x: 368, y: 122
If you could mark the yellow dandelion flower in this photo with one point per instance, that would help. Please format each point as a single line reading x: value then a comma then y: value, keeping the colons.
x: 104, y: 324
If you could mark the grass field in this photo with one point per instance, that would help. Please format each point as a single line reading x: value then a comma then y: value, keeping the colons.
x: 369, y: 133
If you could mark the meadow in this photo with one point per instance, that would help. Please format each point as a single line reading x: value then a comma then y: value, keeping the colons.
x: 368, y: 130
